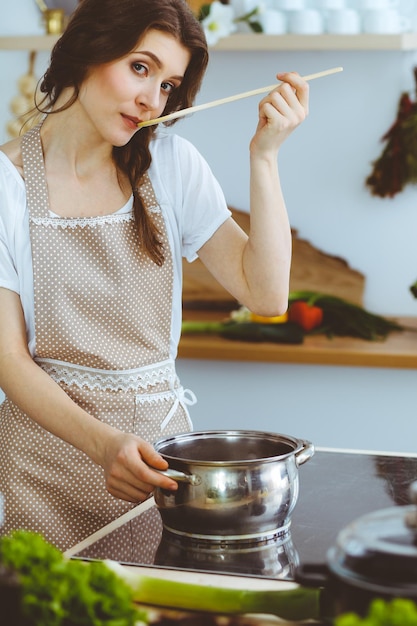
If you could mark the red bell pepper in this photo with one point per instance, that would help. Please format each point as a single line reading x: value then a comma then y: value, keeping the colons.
x: 306, y: 315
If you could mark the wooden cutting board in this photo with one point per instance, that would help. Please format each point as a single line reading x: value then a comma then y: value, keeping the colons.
x: 312, y: 269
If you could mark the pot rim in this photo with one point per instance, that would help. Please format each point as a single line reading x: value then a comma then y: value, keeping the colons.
x: 297, y: 444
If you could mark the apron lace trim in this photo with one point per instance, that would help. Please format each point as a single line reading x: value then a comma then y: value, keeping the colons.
x: 82, y: 222
x: 113, y: 380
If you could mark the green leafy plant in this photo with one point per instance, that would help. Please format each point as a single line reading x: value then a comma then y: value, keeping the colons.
x: 59, y: 592
x: 397, y: 612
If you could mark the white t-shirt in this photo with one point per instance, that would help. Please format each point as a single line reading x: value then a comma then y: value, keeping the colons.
x: 190, y: 198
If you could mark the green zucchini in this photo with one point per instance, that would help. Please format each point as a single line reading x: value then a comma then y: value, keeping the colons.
x: 250, y: 331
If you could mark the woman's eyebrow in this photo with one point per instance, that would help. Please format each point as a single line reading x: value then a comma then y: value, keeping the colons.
x: 153, y: 56
x: 156, y: 60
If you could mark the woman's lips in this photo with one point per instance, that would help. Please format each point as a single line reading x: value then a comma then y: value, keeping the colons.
x: 132, y: 122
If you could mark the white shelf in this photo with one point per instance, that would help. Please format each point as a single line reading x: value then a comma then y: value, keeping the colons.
x: 28, y: 42
x: 241, y: 42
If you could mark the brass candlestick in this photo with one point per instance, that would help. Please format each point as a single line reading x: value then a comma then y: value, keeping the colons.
x: 54, y: 19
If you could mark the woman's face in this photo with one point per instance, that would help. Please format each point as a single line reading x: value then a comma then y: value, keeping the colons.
x: 116, y: 96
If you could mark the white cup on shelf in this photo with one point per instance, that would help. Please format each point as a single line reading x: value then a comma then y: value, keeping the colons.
x: 289, y: 5
x: 273, y: 22
x: 343, y: 22
x: 375, y: 5
x: 330, y: 5
x: 306, y: 22
x: 385, y: 22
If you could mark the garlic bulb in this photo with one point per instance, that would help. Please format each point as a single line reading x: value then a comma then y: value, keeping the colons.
x: 20, y: 105
x: 27, y: 85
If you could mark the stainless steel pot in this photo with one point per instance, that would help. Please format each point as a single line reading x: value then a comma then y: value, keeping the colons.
x: 232, y: 484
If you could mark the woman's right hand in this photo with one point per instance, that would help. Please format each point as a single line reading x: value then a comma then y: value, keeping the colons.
x: 128, y: 461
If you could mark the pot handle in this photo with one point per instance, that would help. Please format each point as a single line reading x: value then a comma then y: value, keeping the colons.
x: 306, y: 452
x: 193, y: 479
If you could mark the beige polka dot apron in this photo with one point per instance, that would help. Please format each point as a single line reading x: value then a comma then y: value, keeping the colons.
x: 102, y: 320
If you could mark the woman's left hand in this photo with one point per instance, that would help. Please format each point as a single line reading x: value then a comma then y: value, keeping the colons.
x: 280, y: 112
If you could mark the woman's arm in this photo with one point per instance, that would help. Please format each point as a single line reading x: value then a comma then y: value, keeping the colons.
x: 256, y: 269
x: 124, y: 457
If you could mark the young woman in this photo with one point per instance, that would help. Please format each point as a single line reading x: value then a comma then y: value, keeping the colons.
x: 95, y: 216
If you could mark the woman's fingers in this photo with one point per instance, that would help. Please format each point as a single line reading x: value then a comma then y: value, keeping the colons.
x: 133, y: 472
x: 286, y: 100
x: 298, y: 86
x: 280, y: 112
x: 289, y: 99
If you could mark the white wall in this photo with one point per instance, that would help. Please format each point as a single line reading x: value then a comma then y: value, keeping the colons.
x: 323, y: 166
x: 325, y: 163
x: 342, y: 407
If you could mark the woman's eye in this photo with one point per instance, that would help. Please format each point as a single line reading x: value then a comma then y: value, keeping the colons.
x: 139, y: 68
x: 167, y: 87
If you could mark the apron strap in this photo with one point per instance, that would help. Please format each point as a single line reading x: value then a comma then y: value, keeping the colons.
x: 183, y: 397
x: 37, y: 197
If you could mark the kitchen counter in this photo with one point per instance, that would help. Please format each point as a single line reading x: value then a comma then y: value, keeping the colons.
x: 399, y: 350
x: 336, y: 487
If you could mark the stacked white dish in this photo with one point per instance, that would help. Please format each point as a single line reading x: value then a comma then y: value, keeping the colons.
x: 314, y: 17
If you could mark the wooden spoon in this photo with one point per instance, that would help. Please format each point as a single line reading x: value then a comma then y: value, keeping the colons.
x: 239, y: 96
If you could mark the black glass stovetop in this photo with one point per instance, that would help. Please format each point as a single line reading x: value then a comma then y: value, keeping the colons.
x: 336, y: 487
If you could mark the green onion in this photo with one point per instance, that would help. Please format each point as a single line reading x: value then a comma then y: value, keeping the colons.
x: 297, y: 603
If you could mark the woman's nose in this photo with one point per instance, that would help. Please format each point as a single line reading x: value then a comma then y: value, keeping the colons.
x: 150, y: 96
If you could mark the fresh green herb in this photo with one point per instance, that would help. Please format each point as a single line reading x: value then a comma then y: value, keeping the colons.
x: 60, y: 592
x: 246, y: 331
x: 397, y: 612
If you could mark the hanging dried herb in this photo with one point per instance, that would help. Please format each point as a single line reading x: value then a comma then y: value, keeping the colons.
x: 397, y: 165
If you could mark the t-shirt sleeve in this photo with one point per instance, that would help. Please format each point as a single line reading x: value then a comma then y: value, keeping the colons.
x: 204, y: 207
x: 8, y: 272
x: 8, y: 275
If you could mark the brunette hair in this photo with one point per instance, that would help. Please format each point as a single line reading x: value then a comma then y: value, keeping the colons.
x: 102, y: 31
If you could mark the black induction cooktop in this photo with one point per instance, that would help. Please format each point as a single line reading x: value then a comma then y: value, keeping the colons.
x: 336, y: 487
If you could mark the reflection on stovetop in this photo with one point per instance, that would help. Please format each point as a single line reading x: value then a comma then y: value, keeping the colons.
x: 335, y: 488
x: 273, y: 557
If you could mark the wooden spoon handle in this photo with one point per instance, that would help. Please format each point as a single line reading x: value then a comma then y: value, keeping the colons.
x: 239, y: 96
x: 102, y: 532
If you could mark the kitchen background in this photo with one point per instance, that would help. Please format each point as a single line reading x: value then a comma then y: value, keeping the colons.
x: 323, y: 168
